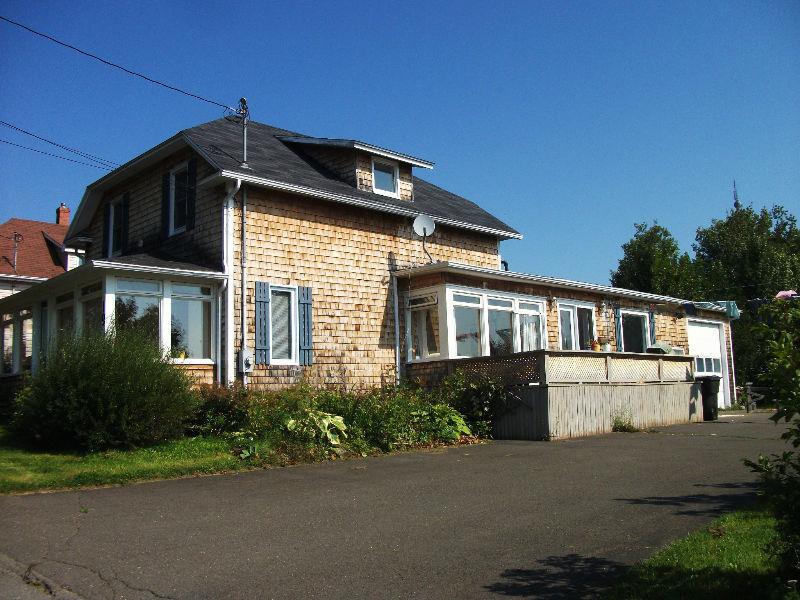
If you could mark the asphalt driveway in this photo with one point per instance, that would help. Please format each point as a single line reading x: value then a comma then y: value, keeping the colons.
x: 525, y: 519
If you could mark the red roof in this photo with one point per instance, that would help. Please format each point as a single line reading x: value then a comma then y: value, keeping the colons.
x: 37, y: 256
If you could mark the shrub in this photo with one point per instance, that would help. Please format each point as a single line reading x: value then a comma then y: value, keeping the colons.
x: 101, y: 390
x: 221, y: 409
x: 479, y: 399
x: 622, y: 421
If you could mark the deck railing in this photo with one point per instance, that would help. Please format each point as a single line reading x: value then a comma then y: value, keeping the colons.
x: 546, y: 367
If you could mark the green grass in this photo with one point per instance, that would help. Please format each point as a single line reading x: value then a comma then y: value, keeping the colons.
x: 727, y: 559
x: 23, y: 470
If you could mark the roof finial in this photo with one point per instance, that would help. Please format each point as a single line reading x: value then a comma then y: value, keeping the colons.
x: 736, y: 204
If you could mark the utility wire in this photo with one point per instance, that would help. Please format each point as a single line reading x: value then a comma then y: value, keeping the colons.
x: 56, y: 155
x: 102, y: 161
x: 116, y: 66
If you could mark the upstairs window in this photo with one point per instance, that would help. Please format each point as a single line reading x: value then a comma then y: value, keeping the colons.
x: 178, y: 200
x: 115, y: 228
x: 384, y: 178
x: 115, y: 235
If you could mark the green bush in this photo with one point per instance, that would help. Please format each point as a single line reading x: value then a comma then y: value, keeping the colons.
x: 221, y: 409
x: 479, y: 399
x: 97, y: 391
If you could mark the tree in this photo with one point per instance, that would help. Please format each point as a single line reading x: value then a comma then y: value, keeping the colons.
x: 652, y: 262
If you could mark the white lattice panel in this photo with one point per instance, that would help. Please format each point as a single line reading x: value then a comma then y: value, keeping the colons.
x: 576, y: 368
x: 632, y: 370
x: 676, y: 371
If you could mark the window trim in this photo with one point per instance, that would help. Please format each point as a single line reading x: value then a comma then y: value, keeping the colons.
x: 573, y: 306
x: 638, y: 313
x: 396, y: 167
x: 294, y: 324
x: 173, y: 171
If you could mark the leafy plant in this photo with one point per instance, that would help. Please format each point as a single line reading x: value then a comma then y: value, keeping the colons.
x: 478, y: 398
x: 102, y: 390
x: 319, y: 426
x: 622, y: 421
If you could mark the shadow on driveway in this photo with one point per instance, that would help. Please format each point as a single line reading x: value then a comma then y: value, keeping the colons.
x: 705, y: 505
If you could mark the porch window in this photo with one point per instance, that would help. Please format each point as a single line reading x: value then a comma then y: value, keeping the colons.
x: 190, y: 329
x: 634, y: 331
x: 137, y: 306
x: 8, y: 345
x: 501, y: 326
x: 92, y: 306
x: 531, y: 335
x: 576, y: 324
x: 424, y: 313
x: 65, y: 318
x: 467, y: 318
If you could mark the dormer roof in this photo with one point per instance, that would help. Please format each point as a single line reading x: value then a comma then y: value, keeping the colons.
x: 358, y: 145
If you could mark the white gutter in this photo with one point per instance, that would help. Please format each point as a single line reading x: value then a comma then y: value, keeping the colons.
x: 396, y: 307
x: 107, y: 264
x: 227, y: 260
x: 244, y: 351
x: 361, y: 202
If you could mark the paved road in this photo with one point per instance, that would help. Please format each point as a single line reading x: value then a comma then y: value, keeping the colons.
x: 525, y: 519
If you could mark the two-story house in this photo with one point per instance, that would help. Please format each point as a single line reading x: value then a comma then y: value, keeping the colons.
x: 302, y: 265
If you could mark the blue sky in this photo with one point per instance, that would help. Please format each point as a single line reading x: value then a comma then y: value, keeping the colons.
x: 570, y: 121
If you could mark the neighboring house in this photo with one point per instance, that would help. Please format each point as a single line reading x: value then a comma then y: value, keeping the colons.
x: 302, y: 266
x: 30, y: 252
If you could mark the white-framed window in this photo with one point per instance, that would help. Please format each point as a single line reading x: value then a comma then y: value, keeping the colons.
x: 65, y: 312
x: 465, y: 322
x: 178, y: 198
x: 283, y: 330
x: 635, y: 330
x: 137, y: 304
x: 576, y: 325
x: 385, y: 177
x: 92, y: 302
x: 190, y: 322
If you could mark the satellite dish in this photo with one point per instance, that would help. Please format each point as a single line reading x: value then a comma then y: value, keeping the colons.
x: 424, y: 226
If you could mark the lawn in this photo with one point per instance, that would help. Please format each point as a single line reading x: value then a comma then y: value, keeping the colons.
x: 23, y: 470
x: 727, y: 559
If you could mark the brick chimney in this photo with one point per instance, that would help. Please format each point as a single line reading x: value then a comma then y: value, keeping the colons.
x: 62, y: 215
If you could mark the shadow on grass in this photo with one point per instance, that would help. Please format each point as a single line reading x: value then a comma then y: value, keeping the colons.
x: 703, y: 505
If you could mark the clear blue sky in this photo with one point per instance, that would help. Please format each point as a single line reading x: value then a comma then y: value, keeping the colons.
x: 570, y: 121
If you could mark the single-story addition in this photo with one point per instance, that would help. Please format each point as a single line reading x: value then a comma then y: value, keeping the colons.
x: 301, y: 264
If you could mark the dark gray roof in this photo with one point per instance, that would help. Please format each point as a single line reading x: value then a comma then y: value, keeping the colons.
x: 269, y: 157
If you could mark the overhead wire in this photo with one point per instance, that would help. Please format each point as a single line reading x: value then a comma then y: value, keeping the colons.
x: 104, y: 162
x: 96, y: 166
x: 115, y: 65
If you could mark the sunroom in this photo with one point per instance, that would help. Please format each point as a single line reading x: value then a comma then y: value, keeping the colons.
x: 177, y: 303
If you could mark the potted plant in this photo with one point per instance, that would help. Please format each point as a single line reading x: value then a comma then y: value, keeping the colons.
x: 605, y: 343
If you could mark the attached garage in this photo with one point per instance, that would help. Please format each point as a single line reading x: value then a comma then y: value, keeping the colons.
x: 707, y: 345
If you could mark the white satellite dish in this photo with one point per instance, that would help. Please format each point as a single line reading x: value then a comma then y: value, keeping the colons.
x: 424, y: 226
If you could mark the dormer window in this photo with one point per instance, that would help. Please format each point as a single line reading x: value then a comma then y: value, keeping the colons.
x: 384, y: 178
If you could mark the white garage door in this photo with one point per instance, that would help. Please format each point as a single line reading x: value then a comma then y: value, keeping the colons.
x: 705, y: 344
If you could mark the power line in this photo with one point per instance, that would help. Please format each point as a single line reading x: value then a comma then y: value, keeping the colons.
x: 116, y: 66
x: 56, y: 156
x: 102, y: 161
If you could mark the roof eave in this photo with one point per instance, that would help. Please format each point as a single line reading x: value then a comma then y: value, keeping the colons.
x: 355, y: 201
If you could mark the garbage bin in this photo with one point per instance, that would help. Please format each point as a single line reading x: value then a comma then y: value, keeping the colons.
x: 709, y: 389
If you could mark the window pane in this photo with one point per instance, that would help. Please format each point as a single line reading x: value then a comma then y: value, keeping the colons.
x: 500, y: 302
x: 709, y: 365
x: 466, y: 299
x: 384, y: 177
x: 91, y: 289
x: 281, y: 307
x: 425, y: 323
x: 530, y: 329
x: 141, y: 312
x: 585, y: 328
x: 633, y: 329
x: 138, y: 285
x: 468, y: 331
x: 190, y: 329
x: 530, y: 306
x: 422, y: 300
x: 717, y: 366
x: 565, y: 320
x: 65, y: 318
x: 501, y: 336
x: 181, y: 185
x: 93, y: 314
x: 185, y: 289
x: 698, y: 364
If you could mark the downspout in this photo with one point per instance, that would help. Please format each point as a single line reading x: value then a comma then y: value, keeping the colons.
x: 227, y: 284
x: 396, y: 302
x: 243, y: 349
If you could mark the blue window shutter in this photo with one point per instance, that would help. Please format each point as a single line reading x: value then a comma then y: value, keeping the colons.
x: 618, y: 323
x: 106, y: 231
x: 262, y: 323
x: 304, y: 317
x: 191, y: 192
x: 165, y: 181
x: 652, y: 317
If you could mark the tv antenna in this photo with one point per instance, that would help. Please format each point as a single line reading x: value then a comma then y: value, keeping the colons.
x: 423, y: 227
x: 241, y: 115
